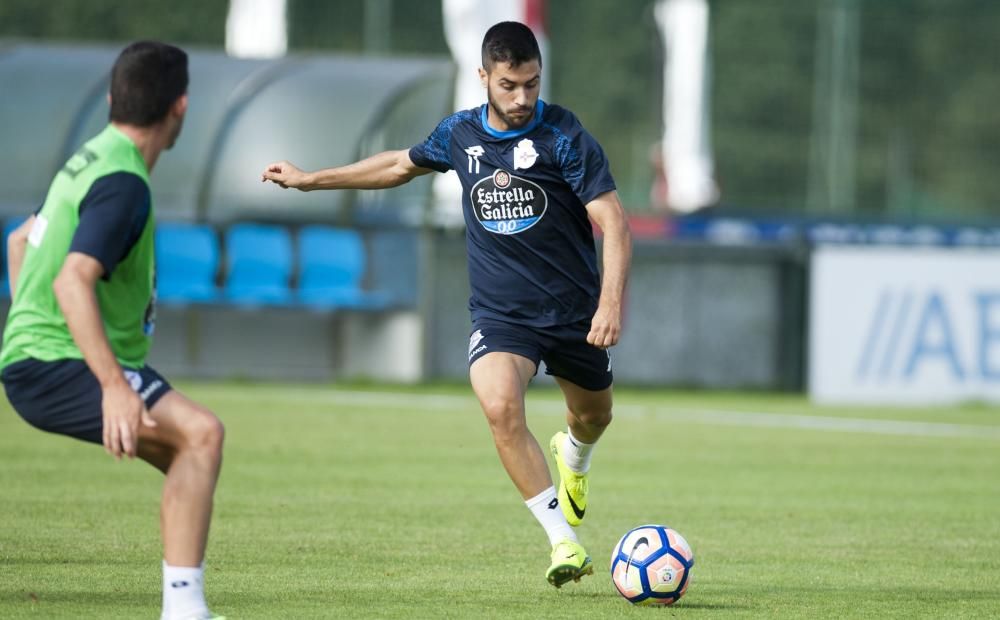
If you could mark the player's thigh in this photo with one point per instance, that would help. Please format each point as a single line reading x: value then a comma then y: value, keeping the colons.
x: 502, y: 360
x: 181, y: 423
x: 61, y: 397
x: 499, y: 380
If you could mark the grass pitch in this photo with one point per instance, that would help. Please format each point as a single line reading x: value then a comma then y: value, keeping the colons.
x: 371, y: 503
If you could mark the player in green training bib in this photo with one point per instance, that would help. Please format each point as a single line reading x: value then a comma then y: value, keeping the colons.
x: 83, y: 289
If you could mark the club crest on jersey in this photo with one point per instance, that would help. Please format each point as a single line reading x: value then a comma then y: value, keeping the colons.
x: 525, y: 154
x: 506, y: 204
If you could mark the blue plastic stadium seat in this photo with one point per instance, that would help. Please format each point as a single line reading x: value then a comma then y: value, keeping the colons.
x: 332, y: 264
x: 259, y: 259
x: 8, y: 227
x: 187, y: 259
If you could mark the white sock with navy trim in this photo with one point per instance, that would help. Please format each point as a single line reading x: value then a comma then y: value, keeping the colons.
x: 576, y: 454
x: 183, y: 592
x: 546, y: 509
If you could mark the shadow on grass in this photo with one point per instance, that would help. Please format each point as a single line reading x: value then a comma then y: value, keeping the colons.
x: 685, y: 603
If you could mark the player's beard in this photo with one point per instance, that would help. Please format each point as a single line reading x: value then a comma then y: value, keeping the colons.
x: 175, y: 133
x: 512, y: 122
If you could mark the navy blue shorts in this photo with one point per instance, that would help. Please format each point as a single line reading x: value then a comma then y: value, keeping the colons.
x: 64, y: 397
x: 563, y: 348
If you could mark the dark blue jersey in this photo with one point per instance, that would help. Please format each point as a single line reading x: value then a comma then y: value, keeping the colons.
x: 531, y: 246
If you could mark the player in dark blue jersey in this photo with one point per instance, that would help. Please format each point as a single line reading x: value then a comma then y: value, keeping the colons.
x: 533, y: 182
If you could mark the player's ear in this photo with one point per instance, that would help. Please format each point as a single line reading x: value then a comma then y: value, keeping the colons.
x: 484, y: 78
x: 180, y: 106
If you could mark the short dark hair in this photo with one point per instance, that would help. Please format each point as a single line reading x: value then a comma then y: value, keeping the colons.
x: 147, y: 79
x: 510, y: 42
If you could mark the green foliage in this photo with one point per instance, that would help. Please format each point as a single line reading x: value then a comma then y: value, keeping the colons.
x: 762, y: 64
x: 415, y: 26
x: 605, y: 65
x: 927, y: 126
x: 930, y: 83
x: 392, y: 504
x: 178, y: 21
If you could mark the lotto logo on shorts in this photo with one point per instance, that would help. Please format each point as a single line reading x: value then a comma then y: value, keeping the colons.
x: 506, y: 204
x: 134, y: 379
x: 474, y: 340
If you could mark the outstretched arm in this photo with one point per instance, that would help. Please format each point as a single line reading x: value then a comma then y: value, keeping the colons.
x: 607, y: 212
x: 387, y: 169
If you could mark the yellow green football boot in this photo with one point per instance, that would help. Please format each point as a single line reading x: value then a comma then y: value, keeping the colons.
x: 569, y: 562
x: 573, y: 487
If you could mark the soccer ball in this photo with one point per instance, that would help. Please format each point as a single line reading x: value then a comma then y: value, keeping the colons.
x: 651, y: 565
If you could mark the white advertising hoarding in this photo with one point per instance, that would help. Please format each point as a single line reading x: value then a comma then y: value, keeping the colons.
x: 904, y: 325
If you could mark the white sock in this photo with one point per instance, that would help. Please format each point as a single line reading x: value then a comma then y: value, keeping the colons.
x: 546, y: 509
x: 576, y: 454
x: 183, y: 592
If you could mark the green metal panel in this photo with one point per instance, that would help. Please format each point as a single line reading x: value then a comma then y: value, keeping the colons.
x: 314, y: 110
x: 315, y: 114
x: 43, y: 91
x: 216, y: 80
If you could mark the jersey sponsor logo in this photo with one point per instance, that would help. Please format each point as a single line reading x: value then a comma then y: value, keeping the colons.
x: 525, y: 154
x: 474, y: 153
x: 38, y: 228
x: 506, y: 204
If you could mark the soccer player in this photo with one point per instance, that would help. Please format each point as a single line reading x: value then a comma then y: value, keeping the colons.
x: 533, y: 180
x: 80, y: 324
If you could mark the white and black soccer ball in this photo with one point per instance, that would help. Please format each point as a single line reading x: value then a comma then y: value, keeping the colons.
x: 651, y: 565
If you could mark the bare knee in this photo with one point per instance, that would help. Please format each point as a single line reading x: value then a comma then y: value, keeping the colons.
x: 594, y: 416
x: 505, y: 417
x: 204, y: 432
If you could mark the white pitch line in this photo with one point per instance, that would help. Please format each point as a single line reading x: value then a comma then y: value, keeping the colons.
x: 693, y: 416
